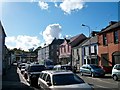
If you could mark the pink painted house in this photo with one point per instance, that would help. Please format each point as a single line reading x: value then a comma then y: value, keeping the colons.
x: 65, y: 54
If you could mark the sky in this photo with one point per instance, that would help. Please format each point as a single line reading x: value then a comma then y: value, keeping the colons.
x: 34, y: 23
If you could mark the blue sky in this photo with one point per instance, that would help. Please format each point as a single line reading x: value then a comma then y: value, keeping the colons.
x: 31, y: 24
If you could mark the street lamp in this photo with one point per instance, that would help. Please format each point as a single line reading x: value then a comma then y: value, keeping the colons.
x: 87, y: 27
x: 89, y: 41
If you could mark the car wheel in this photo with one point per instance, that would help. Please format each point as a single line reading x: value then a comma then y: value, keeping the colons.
x: 39, y: 86
x: 92, y: 74
x: 81, y: 73
x: 115, y: 77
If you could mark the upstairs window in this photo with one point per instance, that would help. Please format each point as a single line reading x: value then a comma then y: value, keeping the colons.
x: 64, y: 49
x: 104, y: 39
x: 115, y: 37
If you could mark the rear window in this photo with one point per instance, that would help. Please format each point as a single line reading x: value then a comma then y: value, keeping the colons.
x: 36, y: 68
x: 66, y: 68
x: 66, y: 79
x: 95, y: 67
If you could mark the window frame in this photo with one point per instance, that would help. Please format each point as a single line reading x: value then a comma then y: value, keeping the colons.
x: 105, y: 41
x: 116, y: 35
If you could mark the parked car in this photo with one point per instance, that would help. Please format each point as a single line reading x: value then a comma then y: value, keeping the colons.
x: 21, y: 64
x: 116, y: 72
x: 92, y: 70
x: 22, y: 69
x: 32, y: 73
x: 60, y: 80
x: 62, y: 67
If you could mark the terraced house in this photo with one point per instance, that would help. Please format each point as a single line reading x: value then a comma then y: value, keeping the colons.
x: 109, y: 46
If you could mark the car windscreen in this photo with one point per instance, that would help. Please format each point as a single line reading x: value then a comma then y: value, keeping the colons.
x: 49, y: 63
x: 66, y: 79
x: 95, y: 67
x: 36, y: 68
x: 66, y: 68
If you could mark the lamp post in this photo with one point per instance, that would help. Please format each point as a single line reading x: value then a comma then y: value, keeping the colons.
x: 89, y: 41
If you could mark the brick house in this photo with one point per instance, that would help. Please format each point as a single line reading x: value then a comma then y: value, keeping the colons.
x: 109, y: 45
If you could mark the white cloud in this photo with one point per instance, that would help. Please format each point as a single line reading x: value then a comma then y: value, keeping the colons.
x: 52, y: 31
x: 67, y: 36
x: 71, y: 5
x: 22, y: 41
x: 43, y: 5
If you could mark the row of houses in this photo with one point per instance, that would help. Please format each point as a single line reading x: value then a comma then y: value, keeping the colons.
x: 101, y: 48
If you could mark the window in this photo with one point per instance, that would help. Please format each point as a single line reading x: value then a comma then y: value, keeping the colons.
x: 104, y: 39
x: 64, y: 49
x: 66, y: 79
x: 68, y: 48
x: 84, y: 51
x: 44, y: 76
x: 95, y: 49
x: 61, y: 49
x: 48, y: 79
x: 41, y: 75
x: 115, y: 37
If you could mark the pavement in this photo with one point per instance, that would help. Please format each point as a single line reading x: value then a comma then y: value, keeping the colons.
x: 11, y: 81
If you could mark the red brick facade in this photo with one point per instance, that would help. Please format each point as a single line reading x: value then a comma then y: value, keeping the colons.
x: 106, y: 52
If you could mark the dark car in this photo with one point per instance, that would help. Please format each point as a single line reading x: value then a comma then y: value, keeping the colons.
x: 92, y: 70
x: 32, y: 73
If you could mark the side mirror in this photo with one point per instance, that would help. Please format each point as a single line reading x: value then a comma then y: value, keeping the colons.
x: 49, y: 83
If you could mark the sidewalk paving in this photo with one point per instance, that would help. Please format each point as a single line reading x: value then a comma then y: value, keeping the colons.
x: 11, y: 80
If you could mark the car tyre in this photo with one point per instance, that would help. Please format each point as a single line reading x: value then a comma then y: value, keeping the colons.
x: 81, y: 73
x: 115, y: 77
x: 39, y: 86
x: 92, y: 74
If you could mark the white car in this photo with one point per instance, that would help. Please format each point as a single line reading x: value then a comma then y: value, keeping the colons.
x: 60, y: 80
x: 116, y: 72
x: 22, y: 69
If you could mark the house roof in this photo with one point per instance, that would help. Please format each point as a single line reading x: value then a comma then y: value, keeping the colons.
x: 81, y: 43
x: 110, y: 27
x: 91, y: 40
x: 67, y: 40
x: 2, y: 29
x: 74, y: 41
x: 57, y: 41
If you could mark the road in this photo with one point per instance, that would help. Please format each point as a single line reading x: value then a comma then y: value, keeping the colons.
x: 14, y: 80
x: 102, y: 83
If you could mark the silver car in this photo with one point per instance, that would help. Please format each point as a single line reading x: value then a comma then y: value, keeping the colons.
x: 61, y: 80
x: 116, y: 72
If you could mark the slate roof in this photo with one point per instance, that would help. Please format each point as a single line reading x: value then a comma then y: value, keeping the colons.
x: 76, y: 40
x: 92, y: 40
x: 110, y: 27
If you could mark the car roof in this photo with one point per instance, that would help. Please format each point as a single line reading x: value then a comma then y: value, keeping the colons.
x: 55, y: 72
x: 89, y: 64
x: 36, y: 65
x: 62, y: 65
x: 117, y: 64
